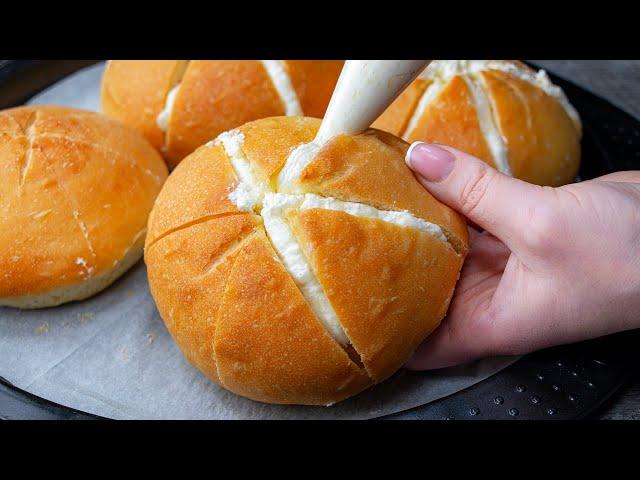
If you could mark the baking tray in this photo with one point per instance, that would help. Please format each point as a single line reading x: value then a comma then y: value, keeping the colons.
x: 560, y: 383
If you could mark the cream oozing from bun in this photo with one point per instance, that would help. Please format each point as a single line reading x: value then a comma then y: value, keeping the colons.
x: 299, y: 158
x: 162, y: 120
x: 249, y: 192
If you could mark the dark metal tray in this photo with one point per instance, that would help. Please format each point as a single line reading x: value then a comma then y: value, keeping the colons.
x: 560, y: 383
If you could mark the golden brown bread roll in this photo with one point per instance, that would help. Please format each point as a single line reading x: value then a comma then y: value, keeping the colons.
x: 304, y: 292
x: 76, y: 192
x: 178, y: 105
x: 502, y: 112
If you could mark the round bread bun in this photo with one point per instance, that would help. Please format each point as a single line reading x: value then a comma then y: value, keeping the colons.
x: 178, y: 105
x: 503, y: 112
x: 305, y: 292
x: 76, y: 191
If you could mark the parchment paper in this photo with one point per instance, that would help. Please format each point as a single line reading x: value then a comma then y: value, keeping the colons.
x: 112, y: 356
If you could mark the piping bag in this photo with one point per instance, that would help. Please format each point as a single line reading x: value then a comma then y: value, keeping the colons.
x: 364, y: 90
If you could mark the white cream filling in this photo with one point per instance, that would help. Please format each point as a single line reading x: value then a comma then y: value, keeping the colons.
x: 275, y: 207
x: 277, y: 71
x: 299, y: 158
x: 444, y: 70
x: 162, y: 120
x: 440, y: 72
x: 487, y: 124
x: 248, y: 194
x: 289, y: 251
x: 539, y: 79
x: 401, y: 218
x: 279, y: 77
x: 245, y: 197
x: 252, y: 195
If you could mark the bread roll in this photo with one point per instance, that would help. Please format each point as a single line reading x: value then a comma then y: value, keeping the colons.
x: 76, y: 191
x: 178, y: 105
x: 306, y: 297
x: 502, y: 112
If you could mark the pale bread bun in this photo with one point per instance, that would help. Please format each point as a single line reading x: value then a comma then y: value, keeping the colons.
x: 76, y: 191
x: 197, y: 100
x: 314, y: 302
x: 503, y: 112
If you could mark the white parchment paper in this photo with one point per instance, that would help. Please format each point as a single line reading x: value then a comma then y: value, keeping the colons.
x: 112, y: 356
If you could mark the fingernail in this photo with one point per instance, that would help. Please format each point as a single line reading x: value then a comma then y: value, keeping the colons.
x: 430, y: 161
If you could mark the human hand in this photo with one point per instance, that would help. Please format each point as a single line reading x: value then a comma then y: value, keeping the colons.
x: 552, y: 266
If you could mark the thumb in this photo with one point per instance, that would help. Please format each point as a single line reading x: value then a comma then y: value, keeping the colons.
x: 497, y: 203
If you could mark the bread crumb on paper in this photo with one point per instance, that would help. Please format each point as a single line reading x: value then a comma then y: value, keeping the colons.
x: 44, y: 328
x: 85, y: 316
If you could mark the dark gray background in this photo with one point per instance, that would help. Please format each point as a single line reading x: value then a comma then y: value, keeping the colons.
x: 619, y: 82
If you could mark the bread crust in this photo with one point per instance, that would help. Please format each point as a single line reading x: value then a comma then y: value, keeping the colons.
x: 79, y: 291
x: 389, y: 285
x: 235, y: 310
x: 314, y: 81
x: 192, y: 192
x: 287, y: 357
x: 135, y: 91
x: 188, y: 272
x: 541, y: 138
x: 396, y: 117
x: 213, y: 96
x: 451, y: 119
x: 76, y: 194
x: 351, y: 169
x: 268, y: 143
x: 543, y: 144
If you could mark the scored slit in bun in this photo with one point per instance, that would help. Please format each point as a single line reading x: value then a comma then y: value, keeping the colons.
x: 503, y: 112
x: 178, y: 105
x: 76, y: 192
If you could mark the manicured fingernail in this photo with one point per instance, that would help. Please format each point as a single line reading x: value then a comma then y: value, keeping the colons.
x: 430, y: 161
